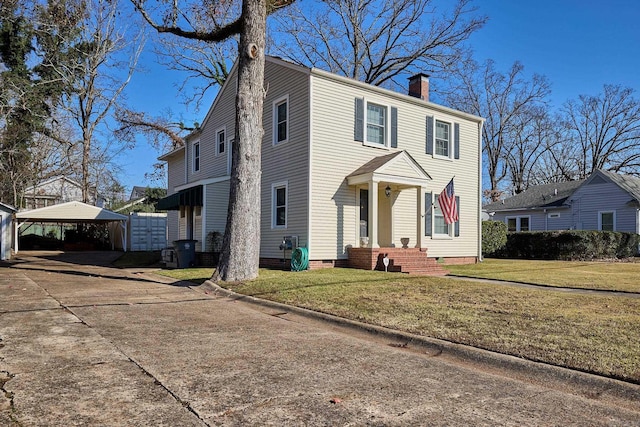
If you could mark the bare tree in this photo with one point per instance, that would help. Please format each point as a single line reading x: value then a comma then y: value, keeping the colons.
x: 241, y: 243
x: 530, y: 135
x: 205, y: 64
x: 96, y: 75
x: 558, y: 160
x: 504, y: 100
x: 162, y: 133
x: 606, y: 128
x: 375, y: 41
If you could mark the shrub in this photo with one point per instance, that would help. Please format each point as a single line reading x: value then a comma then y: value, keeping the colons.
x: 570, y: 245
x: 494, y: 237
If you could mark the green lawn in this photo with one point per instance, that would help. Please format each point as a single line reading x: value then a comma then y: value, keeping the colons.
x: 594, y: 333
x: 617, y: 276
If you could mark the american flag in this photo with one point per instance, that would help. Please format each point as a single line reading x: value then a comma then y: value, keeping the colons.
x: 447, y: 201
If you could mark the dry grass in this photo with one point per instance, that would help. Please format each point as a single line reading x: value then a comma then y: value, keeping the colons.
x: 196, y: 275
x: 598, y: 334
x: 617, y: 276
x: 593, y: 333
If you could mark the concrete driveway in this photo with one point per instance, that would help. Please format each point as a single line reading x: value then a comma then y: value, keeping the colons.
x: 85, y: 344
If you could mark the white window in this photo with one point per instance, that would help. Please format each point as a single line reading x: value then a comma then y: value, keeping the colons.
x: 440, y: 227
x: 376, y: 124
x: 607, y: 220
x: 281, y: 120
x: 518, y: 223
x: 443, y: 139
x: 279, y: 196
x: 221, y: 141
x: 196, y: 156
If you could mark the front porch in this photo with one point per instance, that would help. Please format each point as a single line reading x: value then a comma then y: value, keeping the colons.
x: 401, y: 260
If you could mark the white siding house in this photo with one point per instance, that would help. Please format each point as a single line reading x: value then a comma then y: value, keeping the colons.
x: 351, y: 169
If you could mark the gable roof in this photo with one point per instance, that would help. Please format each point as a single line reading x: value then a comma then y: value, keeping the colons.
x: 628, y: 183
x: 7, y: 208
x: 398, y: 167
x: 71, y: 212
x: 539, y: 196
x: 51, y: 180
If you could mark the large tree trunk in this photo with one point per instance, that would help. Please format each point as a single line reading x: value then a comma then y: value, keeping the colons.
x: 241, y: 244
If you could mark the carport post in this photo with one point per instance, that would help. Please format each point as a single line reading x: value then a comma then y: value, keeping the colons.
x: 123, y: 225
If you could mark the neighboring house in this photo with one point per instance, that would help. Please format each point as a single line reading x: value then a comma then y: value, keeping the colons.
x: 137, y: 193
x: 6, y: 230
x: 56, y: 190
x: 349, y: 169
x: 604, y: 201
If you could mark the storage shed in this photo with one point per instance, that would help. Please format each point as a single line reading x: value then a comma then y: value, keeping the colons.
x: 6, y: 222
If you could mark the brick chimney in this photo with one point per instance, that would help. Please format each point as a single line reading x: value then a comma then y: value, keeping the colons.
x: 419, y: 86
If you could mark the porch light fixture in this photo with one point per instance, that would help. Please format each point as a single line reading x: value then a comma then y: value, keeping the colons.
x: 387, y: 191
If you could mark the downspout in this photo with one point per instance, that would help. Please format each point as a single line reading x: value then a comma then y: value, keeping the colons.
x: 480, y: 124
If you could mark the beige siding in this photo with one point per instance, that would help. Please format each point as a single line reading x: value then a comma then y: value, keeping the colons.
x: 286, y: 162
x: 335, y: 155
x: 197, y: 228
x: 182, y: 224
x: 222, y: 116
x: 405, y: 223
x: 175, y: 171
x: 172, y: 227
x: 217, y: 201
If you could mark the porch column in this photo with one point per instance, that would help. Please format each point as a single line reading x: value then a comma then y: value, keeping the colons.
x: 421, y: 240
x: 373, y: 214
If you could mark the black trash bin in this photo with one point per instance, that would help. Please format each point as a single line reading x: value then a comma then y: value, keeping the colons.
x: 186, y: 252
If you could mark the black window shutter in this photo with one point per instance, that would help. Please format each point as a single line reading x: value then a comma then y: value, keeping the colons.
x: 429, y: 134
x: 456, y: 140
x: 457, y: 226
x: 358, y: 127
x: 428, y: 204
x: 394, y: 127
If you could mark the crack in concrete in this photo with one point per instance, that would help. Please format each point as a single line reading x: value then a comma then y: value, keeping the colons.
x: 5, y: 377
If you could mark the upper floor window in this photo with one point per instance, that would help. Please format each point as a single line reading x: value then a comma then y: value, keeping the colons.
x: 281, y: 120
x: 607, y: 221
x: 196, y: 156
x: 376, y: 124
x: 443, y: 139
x: 220, y: 141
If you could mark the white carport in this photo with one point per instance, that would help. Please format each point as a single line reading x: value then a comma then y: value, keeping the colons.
x: 72, y: 213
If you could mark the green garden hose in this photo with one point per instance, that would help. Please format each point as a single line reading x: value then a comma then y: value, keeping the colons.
x: 299, y: 259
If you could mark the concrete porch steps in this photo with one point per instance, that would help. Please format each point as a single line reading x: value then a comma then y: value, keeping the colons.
x: 411, y: 261
x: 401, y: 260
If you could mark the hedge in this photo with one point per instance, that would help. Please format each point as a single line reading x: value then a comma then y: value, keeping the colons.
x: 494, y: 237
x: 576, y: 245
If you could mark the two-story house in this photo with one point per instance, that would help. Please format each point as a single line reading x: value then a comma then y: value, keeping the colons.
x: 352, y: 170
x: 56, y: 190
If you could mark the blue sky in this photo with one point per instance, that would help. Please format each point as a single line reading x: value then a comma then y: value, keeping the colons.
x: 578, y: 45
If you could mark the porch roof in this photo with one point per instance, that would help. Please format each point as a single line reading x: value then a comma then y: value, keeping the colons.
x: 398, y: 168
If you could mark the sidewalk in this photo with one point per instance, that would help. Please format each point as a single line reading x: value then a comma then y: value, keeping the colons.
x: 90, y: 345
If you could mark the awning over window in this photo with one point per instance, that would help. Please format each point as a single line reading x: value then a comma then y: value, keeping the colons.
x: 188, y: 197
